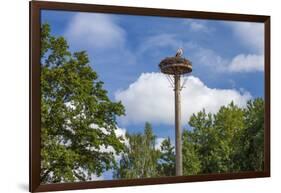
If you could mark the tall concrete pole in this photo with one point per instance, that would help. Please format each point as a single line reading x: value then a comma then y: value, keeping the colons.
x: 178, y: 126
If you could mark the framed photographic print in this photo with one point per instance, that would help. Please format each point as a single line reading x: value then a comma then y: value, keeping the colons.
x: 123, y: 96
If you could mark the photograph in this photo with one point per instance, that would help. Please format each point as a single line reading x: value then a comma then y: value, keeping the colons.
x: 134, y: 96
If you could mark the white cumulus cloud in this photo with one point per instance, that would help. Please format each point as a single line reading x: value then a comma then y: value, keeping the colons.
x: 150, y: 98
x: 247, y: 63
x: 95, y: 30
x: 158, y: 142
x: 195, y: 26
x: 104, y: 39
x: 251, y: 34
x: 239, y: 63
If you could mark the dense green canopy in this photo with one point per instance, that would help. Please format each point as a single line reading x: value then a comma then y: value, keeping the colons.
x: 74, y: 106
x: 229, y: 141
x: 140, y: 157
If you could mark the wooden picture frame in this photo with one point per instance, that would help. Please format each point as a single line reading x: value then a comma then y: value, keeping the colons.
x: 35, y: 97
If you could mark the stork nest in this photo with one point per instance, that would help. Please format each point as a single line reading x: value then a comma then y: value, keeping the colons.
x: 174, y: 60
x: 175, y: 65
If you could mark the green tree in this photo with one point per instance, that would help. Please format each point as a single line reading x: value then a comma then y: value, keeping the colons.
x: 190, y: 155
x: 166, y: 162
x: 140, y: 157
x: 74, y: 106
x: 215, y: 140
x: 199, y: 144
x: 229, y: 141
x: 252, y: 139
x: 229, y: 125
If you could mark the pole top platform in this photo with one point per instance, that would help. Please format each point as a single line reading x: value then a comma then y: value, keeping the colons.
x: 175, y: 66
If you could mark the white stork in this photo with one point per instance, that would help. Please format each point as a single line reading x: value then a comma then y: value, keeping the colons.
x: 179, y: 52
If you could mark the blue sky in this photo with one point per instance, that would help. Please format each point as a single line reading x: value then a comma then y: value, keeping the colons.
x: 227, y: 58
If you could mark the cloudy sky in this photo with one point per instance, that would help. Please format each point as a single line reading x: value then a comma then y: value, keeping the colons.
x: 227, y: 58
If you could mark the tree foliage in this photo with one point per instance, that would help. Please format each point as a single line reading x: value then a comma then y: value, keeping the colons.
x: 166, y: 162
x: 229, y: 141
x: 140, y: 157
x: 252, y: 138
x: 190, y: 157
x: 74, y: 106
